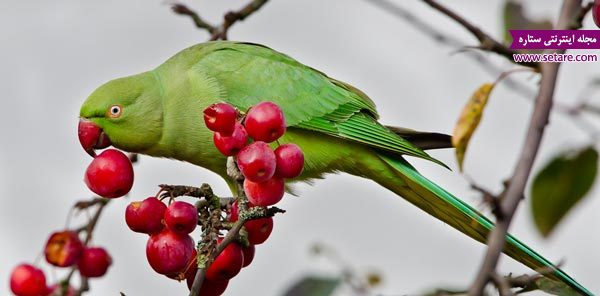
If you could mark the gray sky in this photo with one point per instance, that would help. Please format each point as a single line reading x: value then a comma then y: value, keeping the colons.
x: 54, y: 53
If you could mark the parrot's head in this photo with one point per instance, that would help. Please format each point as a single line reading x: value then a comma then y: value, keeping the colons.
x: 126, y: 113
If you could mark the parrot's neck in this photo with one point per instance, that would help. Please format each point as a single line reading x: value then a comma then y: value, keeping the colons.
x: 185, y: 136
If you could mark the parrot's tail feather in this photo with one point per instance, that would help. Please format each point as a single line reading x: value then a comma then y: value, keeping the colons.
x: 439, y: 203
x: 423, y: 140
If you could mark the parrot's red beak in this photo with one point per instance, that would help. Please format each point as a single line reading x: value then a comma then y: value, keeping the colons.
x: 92, y: 137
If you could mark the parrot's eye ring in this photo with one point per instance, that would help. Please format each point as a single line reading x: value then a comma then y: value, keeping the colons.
x: 115, y: 111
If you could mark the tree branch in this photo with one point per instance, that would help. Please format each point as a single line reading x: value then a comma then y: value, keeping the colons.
x: 233, y: 233
x: 229, y: 19
x: 574, y: 112
x: 486, y: 41
x: 514, y: 193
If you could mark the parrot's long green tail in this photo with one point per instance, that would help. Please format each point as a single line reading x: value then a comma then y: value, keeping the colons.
x: 438, y: 202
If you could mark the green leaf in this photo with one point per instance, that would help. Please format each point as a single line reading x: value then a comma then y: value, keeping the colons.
x: 560, y: 185
x: 554, y: 287
x: 469, y: 120
x: 516, y: 19
x: 313, y: 286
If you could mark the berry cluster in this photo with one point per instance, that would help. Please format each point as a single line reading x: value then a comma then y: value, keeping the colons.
x: 264, y: 169
x: 63, y: 249
x: 170, y: 249
x: 109, y: 175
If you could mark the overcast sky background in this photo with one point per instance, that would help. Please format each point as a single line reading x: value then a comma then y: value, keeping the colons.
x: 55, y: 53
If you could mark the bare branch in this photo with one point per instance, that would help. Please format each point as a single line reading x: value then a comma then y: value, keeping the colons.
x: 198, y: 21
x: 229, y: 19
x: 486, y: 41
x: 514, y: 193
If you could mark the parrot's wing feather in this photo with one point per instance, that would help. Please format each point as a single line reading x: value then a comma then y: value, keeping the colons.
x: 309, y: 98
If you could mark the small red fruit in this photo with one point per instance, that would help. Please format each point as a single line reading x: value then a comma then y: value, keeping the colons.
x: 257, y: 162
x: 232, y: 144
x: 63, y: 248
x: 181, y: 217
x: 596, y: 12
x: 265, y: 193
x: 27, y: 280
x: 146, y: 216
x: 248, y: 254
x: 169, y: 253
x: 265, y: 122
x: 58, y: 290
x: 258, y: 230
x: 220, y: 117
x: 228, y: 264
x: 94, y: 262
x: 110, y: 174
x: 208, y: 288
x: 290, y: 161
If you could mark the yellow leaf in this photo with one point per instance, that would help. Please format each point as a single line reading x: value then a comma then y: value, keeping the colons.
x: 469, y: 120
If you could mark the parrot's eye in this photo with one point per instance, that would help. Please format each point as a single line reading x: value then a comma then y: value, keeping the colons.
x: 115, y: 111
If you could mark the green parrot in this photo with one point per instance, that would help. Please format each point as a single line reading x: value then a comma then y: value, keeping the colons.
x: 159, y: 113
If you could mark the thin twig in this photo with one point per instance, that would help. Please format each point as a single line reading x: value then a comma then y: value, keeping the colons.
x: 574, y: 112
x: 514, y: 193
x: 486, y: 41
x: 198, y: 21
x: 229, y: 19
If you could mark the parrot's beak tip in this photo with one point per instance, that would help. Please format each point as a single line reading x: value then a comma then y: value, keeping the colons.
x: 91, y: 137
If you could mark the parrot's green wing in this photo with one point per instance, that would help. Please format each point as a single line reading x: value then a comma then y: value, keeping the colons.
x: 313, y: 101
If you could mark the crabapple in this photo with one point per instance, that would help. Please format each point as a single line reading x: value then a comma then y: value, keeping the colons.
x: 230, y: 145
x: 63, y: 248
x: 146, y: 216
x: 181, y: 217
x: 290, y: 161
x: 265, y: 193
x: 27, y: 280
x: 257, y: 161
x: 265, y: 122
x: 94, y: 262
x: 220, y: 117
x: 110, y: 174
x: 227, y: 264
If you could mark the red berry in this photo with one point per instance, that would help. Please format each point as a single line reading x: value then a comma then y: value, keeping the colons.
x: 63, y: 248
x: 258, y: 229
x: 94, y: 262
x: 265, y: 122
x: 257, y: 162
x: 191, y: 266
x: 248, y: 254
x: 146, y: 216
x: 58, y: 290
x: 169, y: 253
x: 596, y: 12
x: 231, y: 145
x: 220, y: 117
x: 290, y: 161
x: 265, y: 193
x: 208, y: 288
x: 110, y: 174
x: 27, y: 280
x: 228, y: 264
x: 181, y: 217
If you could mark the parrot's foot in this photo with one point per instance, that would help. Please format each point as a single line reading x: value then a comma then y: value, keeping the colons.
x: 233, y: 171
x: 174, y: 191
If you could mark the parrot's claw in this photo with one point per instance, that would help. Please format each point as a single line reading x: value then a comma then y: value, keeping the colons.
x: 232, y: 169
